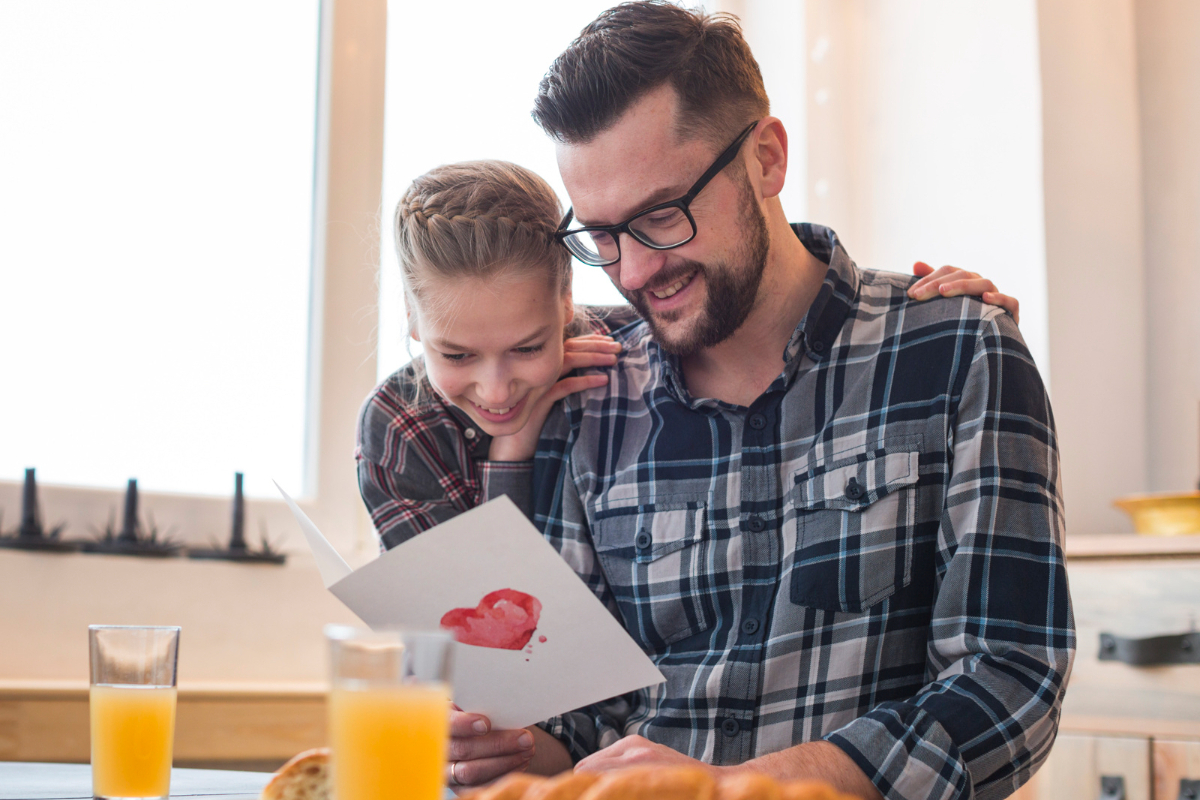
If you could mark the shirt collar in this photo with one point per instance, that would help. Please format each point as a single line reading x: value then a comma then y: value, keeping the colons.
x: 815, y: 333
x: 821, y: 324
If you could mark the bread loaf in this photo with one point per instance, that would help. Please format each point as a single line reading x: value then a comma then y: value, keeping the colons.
x: 655, y: 783
x: 305, y: 777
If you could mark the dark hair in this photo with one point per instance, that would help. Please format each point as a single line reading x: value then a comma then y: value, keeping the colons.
x: 635, y: 47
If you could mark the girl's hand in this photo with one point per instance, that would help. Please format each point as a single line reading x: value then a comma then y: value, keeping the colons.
x: 952, y: 282
x: 593, y: 350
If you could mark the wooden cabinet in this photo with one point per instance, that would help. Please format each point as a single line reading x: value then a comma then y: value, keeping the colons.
x: 1078, y: 763
x: 1138, y: 724
x: 1147, y: 769
x: 1176, y: 761
x: 249, y: 726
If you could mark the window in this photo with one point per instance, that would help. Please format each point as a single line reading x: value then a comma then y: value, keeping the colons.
x: 155, y: 237
x: 461, y: 80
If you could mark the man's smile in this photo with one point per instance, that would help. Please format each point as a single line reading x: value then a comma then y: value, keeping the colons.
x: 663, y: 294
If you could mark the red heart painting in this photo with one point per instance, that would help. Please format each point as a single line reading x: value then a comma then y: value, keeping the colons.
x: 504, y: 619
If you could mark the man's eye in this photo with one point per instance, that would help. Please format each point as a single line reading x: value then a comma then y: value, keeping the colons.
x: 668, y: 216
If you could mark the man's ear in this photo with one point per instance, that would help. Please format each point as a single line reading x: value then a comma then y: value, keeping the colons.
x: 768, y: 163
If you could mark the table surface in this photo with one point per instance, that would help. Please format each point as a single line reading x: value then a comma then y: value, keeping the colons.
x: 25, y: 781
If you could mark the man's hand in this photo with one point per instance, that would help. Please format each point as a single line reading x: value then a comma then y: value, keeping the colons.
x: 479, y: 754
x: 952, y: 282
x: 593, y: 350
x: 636, y: 751
x: 812, y: 761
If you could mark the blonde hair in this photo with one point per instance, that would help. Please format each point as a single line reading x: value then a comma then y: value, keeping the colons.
x: 478, y: 219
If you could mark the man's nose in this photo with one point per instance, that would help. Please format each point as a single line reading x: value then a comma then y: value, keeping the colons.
x: 639, y: 263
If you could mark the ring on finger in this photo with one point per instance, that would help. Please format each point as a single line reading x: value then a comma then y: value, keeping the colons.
x: 454, y: 781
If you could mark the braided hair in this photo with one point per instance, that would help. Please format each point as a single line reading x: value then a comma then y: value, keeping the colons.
x: 478, y: 219
x: 483, y: 220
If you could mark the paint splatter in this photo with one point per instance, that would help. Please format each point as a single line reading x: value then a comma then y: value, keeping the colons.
x: 504, y: 619
x: 542, y: 639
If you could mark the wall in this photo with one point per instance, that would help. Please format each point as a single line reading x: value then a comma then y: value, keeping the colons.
x: 1168, y: 41
x: 924, y: 124
x: 1093, y: 188
x: 1050, y: 146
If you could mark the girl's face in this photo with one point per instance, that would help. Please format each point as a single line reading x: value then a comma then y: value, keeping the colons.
x: 493, y: 346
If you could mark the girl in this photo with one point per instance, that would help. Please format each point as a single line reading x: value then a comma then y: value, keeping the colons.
x: 488, y: 293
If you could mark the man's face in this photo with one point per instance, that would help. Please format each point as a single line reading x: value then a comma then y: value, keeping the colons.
x: 696, y: 295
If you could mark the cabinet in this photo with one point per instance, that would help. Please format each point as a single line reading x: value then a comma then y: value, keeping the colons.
x: 1137, y: 726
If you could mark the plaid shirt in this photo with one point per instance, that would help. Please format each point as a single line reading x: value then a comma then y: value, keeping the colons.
x: 422, y: 461
x: 871, y: 553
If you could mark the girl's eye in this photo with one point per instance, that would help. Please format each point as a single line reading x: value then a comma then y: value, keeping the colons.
x: 531, y: 349
x: 456, y: 357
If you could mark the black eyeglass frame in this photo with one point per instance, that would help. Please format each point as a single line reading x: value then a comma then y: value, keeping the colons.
x: 682, y: 203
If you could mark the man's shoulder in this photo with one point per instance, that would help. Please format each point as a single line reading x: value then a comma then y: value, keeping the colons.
x: 636, y: 369
x: 885, y: 293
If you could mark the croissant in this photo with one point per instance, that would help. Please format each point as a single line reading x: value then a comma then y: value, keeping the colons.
x: 654, y: 783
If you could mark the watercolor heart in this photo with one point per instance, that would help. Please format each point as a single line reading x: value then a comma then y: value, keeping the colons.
x: 504, y: 619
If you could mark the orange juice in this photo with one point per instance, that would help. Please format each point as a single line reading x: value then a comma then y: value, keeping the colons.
x: 133, y: 731
x: 389, y: 741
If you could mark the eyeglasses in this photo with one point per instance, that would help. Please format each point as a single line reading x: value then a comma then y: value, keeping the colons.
x: 659, y: 227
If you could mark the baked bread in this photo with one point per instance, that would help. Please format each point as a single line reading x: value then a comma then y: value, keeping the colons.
x: 305, y: 777
x: 655, y: 783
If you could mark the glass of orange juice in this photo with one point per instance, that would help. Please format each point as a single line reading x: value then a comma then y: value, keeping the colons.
x: 132, y: 708
x: 389, y: 713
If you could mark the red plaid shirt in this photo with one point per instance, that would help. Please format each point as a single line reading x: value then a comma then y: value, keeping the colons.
x: 422, y: 461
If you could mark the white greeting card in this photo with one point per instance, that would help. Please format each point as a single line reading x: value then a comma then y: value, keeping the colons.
x: 533, y: 641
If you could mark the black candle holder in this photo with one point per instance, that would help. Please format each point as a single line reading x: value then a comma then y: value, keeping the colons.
x: 132, y: 539
x: 31, y: 535
x: 238, y: 550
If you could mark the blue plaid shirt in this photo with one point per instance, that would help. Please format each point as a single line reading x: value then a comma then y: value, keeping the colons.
x: 870, y: 553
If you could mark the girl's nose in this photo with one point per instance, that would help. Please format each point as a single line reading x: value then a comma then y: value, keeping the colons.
x: 495, y: 389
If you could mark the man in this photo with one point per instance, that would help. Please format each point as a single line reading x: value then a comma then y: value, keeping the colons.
x: 830, y: 514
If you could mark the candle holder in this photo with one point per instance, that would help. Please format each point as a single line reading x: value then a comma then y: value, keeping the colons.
x: 32, y: 535
x: 132, y: 539
x: 238, y: 550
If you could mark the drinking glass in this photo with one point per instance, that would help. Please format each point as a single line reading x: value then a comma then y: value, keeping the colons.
x: 132, y: 707
x: 389, y: 713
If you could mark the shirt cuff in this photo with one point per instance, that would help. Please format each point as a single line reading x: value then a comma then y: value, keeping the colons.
x: 513, y: 478
x: 906, y: 753
x: 581, y: 732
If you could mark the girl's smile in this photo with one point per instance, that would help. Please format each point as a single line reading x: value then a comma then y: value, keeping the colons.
x: 493, y: 346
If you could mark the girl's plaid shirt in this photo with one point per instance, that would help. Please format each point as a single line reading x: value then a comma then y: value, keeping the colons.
x: 422, y: 461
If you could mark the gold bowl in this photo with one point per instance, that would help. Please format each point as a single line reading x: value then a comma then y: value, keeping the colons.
x: 1163, y: 514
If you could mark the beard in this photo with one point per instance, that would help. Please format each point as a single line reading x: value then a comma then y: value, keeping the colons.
x: 732, y: 290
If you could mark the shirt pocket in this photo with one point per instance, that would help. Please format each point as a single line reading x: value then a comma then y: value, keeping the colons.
x: 855, y: 524
x: 654, y: 557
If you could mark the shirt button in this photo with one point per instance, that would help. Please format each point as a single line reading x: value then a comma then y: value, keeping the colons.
x: 469, y: 433
x: 757, y: 421
x: 854, y: 490
x: 642, y: 540
x: 756, y: 524
x: 750, y: 626
x: 730, y: 727
x: 818, y: 346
